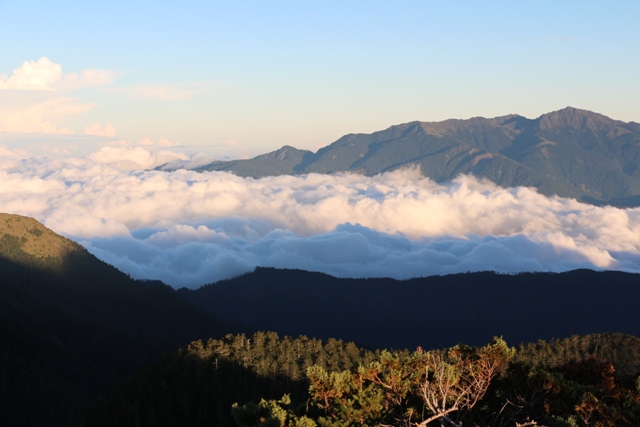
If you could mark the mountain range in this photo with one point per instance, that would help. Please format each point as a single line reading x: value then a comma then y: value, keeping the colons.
x: 570, y: 153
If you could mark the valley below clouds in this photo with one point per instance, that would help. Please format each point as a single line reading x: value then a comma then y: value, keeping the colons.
x: 188, y: 228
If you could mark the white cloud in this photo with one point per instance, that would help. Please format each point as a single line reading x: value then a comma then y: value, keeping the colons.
x: 33, y: 75
x: 189, y: 228
x: 98, y: 130
x: 44, y: 75
x: 131, y: 158
x: 194, y: 160
x: 34, y: 100
x: 4, y: 151
x: 162, y: 142
x: 82, y: 222
x: 85, y: 79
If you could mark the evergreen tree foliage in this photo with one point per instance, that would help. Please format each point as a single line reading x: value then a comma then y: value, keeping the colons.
x: 622, y: 350
x: 578, y: 393
x: 403, y: 389
x: 306, y: 382
x: 462, y: 386
x: 197, y: 385
x: 269, y: 413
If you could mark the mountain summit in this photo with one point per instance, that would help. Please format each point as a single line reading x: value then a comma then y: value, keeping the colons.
x: 570, y: 153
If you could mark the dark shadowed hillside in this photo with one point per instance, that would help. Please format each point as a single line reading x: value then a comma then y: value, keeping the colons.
x: 59, y: 272
x: 50, y: 359
x: 71, y: 325
x: 431, y: 312
x: 570, y: 153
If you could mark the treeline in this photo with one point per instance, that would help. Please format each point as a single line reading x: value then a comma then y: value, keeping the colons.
x: 304, y: 381
x: 198, y: 384
x: 622, y: 350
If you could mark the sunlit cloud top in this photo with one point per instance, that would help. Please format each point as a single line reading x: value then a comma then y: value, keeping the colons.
x: 190, y: 228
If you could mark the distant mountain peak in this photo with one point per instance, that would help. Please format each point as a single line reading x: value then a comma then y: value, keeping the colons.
x: 574, y: 119
x: 570, y: 153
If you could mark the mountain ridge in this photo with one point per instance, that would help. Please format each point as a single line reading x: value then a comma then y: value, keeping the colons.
x: 433, y: 311
x: 78, y: 283
x: 569, y: 152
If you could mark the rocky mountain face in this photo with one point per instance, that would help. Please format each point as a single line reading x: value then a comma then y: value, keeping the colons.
x: 570, y: 153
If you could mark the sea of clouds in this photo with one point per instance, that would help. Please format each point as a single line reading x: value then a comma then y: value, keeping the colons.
x: 188, y: 228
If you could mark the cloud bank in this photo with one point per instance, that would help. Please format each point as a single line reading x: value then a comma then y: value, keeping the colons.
x: 189, y: 228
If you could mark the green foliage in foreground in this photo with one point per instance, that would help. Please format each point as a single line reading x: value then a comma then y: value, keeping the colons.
x: 196, y: 386
x: 403, y: 390
x: 307, y: 382
x: 456, y: 388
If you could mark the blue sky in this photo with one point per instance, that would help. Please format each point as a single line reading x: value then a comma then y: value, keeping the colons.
x: 248, y: 77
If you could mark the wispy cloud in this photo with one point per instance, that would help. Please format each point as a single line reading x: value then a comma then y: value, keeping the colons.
x: 38, y: 97
x: 168, y: 91
x: 4, y: 151
x: 99, y: 130
x: 86, y: 79
x: 132, y: 158
x: 38, y: 112
x: 162, y: 142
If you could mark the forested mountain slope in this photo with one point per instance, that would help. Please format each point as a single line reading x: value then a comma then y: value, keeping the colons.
x: 53, y: 365
x: 59, y: 272
x: 570, y: 153
x: 436, y: 311
x: 71, y: 325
